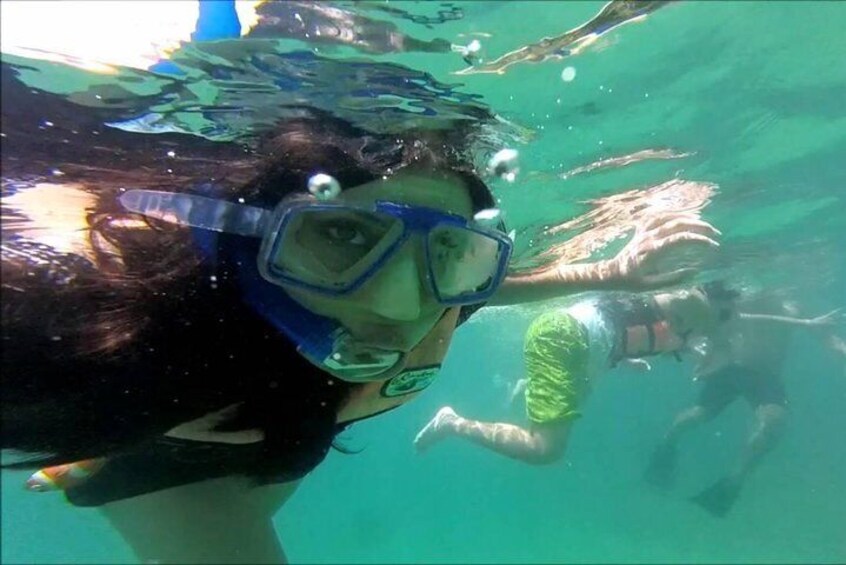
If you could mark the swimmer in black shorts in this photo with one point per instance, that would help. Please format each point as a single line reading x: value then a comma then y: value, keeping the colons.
x: 743, y: 359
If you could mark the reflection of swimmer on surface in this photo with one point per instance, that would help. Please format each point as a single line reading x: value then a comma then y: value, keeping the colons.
x: 612, y: 15
x: 321, y: 23
x: 744, y: 358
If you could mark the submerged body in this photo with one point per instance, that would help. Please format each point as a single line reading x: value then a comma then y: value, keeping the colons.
x: 745, y: 359
x: 566, y: 351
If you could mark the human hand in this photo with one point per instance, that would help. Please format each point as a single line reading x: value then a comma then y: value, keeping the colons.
x: 832, y: 318
x: 638, y: 265
x: 641, y: 365
x: 437, y: 429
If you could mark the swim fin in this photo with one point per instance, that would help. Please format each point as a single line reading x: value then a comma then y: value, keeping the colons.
x: 720, y: 497
x: 661, y: 471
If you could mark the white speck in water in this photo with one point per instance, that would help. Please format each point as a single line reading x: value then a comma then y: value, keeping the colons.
x: 48, y: 123
x: 601, y: 87
x: 241, y: 201
x: 171, y: 154
x: 56, y: 338
x: 568, y: 74
x: 504, y: 164
x: 57, y: 173
x: 170, y: 171
x: 558, y: 101
x: 213, y: 278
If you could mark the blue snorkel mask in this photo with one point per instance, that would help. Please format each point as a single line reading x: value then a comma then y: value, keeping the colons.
x: 334, y: 249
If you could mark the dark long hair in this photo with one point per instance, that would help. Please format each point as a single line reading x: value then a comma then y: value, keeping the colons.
x: 106, y: 350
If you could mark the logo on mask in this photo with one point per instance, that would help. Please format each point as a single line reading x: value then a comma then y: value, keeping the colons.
x: 410, y: 381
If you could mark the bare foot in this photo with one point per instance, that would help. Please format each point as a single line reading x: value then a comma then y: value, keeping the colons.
x: 436, y: 430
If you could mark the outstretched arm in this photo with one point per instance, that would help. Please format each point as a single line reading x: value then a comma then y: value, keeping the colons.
x: 825, y: 326
x: 836, y: 344
x: 632, y: 269
x: 826, y: 320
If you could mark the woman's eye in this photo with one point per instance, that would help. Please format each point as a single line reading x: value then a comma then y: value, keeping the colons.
x: 452, y: 241
x: 447, y: 241
x: 341, y: 233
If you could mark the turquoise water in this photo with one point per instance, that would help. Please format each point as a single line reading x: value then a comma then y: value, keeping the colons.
x: 754, y: 92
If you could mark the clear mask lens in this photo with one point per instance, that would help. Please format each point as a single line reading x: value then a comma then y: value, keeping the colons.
x: 333, y: 248
x: 463, y: 262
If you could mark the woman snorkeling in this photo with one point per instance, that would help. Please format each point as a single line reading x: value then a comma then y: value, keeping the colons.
x: 197, y: 335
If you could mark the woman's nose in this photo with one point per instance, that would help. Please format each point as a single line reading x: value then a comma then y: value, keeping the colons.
x: 395, y: 291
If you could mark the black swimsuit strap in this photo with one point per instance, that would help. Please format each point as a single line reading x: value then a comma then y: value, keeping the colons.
x: 630, y: 313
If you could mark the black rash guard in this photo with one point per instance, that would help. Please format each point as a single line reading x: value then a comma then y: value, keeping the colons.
x: 294, y: 445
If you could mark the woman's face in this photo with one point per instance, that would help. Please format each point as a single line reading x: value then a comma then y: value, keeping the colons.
x: 394, y: 309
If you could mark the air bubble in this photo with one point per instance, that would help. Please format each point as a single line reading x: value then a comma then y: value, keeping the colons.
x: 568, y: 74
x: 504, y: 164
x: 488, y: 216
x: 324, y: 187
x: 472, y: 53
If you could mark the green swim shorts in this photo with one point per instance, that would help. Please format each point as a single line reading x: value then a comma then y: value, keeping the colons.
x: 556, y: 351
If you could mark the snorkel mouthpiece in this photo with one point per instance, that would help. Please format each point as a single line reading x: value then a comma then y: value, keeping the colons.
x: 352, y: 362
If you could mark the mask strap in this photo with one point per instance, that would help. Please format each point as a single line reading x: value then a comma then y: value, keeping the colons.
x: 314, y: 335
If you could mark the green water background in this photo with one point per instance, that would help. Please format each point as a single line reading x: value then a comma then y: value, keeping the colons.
x: 756, y: 90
